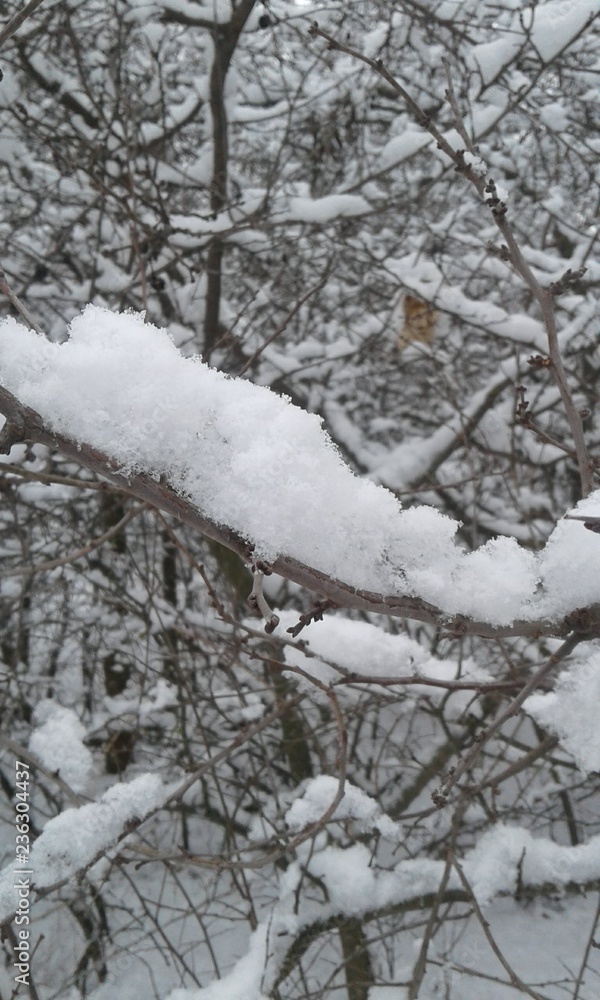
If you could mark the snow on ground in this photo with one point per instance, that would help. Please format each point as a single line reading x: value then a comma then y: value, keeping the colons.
x: 354, y: 885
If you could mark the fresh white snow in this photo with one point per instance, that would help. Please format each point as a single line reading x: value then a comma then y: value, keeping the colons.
x: 250, y: 460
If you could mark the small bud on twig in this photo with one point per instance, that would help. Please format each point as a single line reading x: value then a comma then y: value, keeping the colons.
x: 569, y: 278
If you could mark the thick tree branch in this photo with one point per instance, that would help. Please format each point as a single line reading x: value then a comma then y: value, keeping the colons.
x: 25, y: 425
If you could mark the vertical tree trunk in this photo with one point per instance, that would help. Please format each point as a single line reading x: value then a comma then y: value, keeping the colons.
x: 357, y: 961
x: 225, y: 39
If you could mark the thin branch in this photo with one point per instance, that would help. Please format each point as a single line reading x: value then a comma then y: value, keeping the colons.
x: 85, y: 550
x: 280, y: 329
x: 545, y: 300
x: 15, y: 302
x: 516, y: 981
x: 51, y: 479
x: 420, y: 966
x: 542, y: 750
x: 589, y: 945
x: 225, y: 39
x: 480, y: 687
x: 440, y: 796
x: 453, y: 102
x: 17, y: 19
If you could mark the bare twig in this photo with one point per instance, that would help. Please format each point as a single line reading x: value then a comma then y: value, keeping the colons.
x: 440, y: 795
x: 314, y: 615
x: 5, y: 289
x: 421, y: 963
x: 589, y: 945
x: 17, y: 19
x: 480, y: 687
x: 280, y: 329
x: 453, y: 102
x: 52, y: 479
x: 71, y: 557
x: 543, y: 750
x: 516, y: 981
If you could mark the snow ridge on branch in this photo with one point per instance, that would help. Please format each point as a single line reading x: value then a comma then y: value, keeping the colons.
x: 250, y: 468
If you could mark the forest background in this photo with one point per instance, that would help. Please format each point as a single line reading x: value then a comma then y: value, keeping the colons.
x: 299, y: 674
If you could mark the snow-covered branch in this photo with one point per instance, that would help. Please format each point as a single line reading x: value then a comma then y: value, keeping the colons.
x: 247, y: 468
